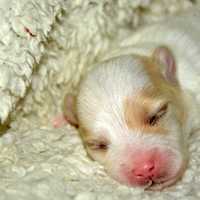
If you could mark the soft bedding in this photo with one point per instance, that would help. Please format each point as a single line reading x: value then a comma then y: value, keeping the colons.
x: 45, y: 48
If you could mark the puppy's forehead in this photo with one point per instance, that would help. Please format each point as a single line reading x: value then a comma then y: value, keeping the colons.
x: 106, y: 86
x: 102, y: 93
x: 123, y: 74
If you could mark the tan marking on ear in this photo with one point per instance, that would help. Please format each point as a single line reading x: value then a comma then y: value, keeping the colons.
x: 137, y: 107
x: 69, y: 109
x: 153, y: 68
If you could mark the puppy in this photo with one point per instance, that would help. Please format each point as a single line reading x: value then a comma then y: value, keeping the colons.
x: 136, y: 109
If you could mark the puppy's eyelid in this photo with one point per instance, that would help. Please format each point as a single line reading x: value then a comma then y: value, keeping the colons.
x: 154, y: 118
x: 98, y: 145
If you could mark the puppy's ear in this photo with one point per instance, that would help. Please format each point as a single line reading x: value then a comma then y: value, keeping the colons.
x: 165, y: 57
x: 69, y: 109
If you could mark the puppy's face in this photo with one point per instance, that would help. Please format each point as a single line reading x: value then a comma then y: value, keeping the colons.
x: 131, y: 113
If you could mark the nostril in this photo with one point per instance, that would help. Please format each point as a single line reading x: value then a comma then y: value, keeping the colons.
x: 149, y: 167
x: 147, y: 170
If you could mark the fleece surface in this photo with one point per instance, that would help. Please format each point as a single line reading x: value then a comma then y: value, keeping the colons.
x: 25, y: 26
x: 46, y: 163
x: 45, y: 47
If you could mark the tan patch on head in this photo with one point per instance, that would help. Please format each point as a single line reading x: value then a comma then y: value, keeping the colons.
x: 138, y: 108
x: 137, y: 113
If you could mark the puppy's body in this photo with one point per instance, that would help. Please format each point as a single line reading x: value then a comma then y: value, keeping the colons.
x: 136, y: 109
x: 181, y: 34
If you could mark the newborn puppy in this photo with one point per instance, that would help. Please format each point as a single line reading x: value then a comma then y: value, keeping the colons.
x: 132, y: 117
x: 135, y: 110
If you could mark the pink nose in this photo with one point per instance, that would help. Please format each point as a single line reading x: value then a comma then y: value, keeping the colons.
x: 148, y: 167
x: 145, y: 172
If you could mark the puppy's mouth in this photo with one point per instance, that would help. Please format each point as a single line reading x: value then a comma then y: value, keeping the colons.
x: 160, y: 184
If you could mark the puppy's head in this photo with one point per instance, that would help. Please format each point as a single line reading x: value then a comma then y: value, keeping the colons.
x: 132, y: 115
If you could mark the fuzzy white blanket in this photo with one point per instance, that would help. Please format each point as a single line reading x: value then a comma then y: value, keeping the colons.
x: 45, y: 47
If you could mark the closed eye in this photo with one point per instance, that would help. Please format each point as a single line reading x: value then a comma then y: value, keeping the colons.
x: 97, y: 145
x: 153, y: 119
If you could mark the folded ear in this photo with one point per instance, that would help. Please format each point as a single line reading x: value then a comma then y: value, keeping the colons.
x: 164, y: 56
x: 70, y: 110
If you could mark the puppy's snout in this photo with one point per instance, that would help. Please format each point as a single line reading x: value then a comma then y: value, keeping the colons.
x: 149, y: 166
x: 147, y: 169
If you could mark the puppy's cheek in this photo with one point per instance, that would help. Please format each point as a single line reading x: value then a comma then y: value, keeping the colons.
x: 179, y: 166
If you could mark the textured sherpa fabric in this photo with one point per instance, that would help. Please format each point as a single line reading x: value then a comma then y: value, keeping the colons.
x: 24, y: 26
x: 45, y: 47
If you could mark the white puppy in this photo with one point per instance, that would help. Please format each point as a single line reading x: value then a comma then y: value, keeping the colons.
x: 135, y: 110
